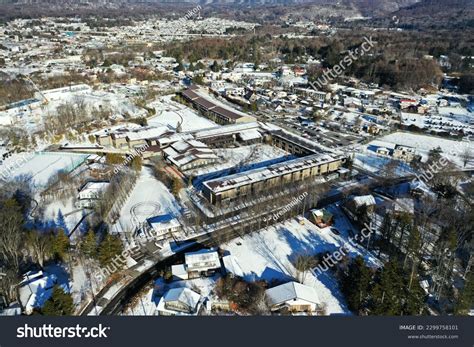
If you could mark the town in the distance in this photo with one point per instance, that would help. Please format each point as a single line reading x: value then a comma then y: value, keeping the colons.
x: 213, y: 161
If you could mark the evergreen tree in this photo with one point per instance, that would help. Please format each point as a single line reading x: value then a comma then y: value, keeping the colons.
x: 109, y: 248
x: 61, y: 222
x: 215, y: 66
x: 386, y: 294
x: 466, y: 299
x: 413, y: 299
x: 200, y: 66
x: 356, y: 284
x: 391, y: 296
x: 88, y: 244
x: 60, y: 244
x: 413, y: 245
x: 404, y: 225
x: 59, y: 304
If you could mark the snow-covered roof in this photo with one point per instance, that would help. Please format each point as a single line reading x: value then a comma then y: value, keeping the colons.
x: 364, y: 200
x: 226, y: 130
x: 404, y: 205
x: 34, y: 293
x: 265, y: 173
x: 163, y: 222
x: 94, y: 187
x: 207, y: 256
x: 232, y: 266
x: 249, y: 135
x: 183, y: 295
x: 14, y: 310
x: 291, y: 291
x: 179, y: 270
x: 147, y: 133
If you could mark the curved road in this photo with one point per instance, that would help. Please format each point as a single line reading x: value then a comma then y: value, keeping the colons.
x: 115, y: 305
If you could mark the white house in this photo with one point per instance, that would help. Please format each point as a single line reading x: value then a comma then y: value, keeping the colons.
x: 294, y: 297
x: 203, y: 262
x: 163, y: 225
x: 179, y: 302
x: 90, y: 193
x: 35, y: 289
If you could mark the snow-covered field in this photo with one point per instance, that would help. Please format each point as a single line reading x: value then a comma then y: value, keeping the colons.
x: 375, y: 163
x: 169, y: 112
x: 149, y: 198
x: 452, y: 149
x: 40, y: 166
x: 268, y: 254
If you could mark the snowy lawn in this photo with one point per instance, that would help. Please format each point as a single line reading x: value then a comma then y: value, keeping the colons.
x: 452, y: 149
x: 149, y: 198
x: 42, y: 166
x: 169, y: 112
x: 268, y: 254
x: 375, y: 163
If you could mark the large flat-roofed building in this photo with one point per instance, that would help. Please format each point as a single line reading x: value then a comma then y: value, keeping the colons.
x: 250, y: 182
x: 213, y: 110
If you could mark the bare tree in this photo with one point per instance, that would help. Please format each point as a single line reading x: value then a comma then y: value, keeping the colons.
x: 40, y: 246
x: 303, y: 264
x: 11, y: 222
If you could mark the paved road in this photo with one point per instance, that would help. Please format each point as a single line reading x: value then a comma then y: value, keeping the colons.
x: 116, y: 304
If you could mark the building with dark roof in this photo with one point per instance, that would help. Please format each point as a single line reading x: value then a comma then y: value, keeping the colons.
x: 212, y: 110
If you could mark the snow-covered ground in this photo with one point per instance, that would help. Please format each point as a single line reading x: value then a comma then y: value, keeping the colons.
x: 375, y: 163
x: 440, y: 123
x: 148, y: 301
x: 70, y: 214
x: 169, y: 112
x: 242, y: 156
x: 268, y: 254
x: 40, y: 166
x: 149, y: 198
x: 452, y: 149
x: 32, y: 118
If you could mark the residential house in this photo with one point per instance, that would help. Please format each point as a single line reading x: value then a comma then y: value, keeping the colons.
x: 322, y: 218
x: 90, y: 193
x: 293, y: 297
x: 404, y: 153
x: 179, y: 302
x: 204, y: 262
x: 35, y: 289
x: 163, y: 225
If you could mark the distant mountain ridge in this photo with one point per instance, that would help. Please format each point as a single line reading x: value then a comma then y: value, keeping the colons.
x: 408, y: 13
x: 364, y: 6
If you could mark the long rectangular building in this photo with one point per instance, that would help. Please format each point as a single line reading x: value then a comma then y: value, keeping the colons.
x: 212, y: 110
x: 263, y: 179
